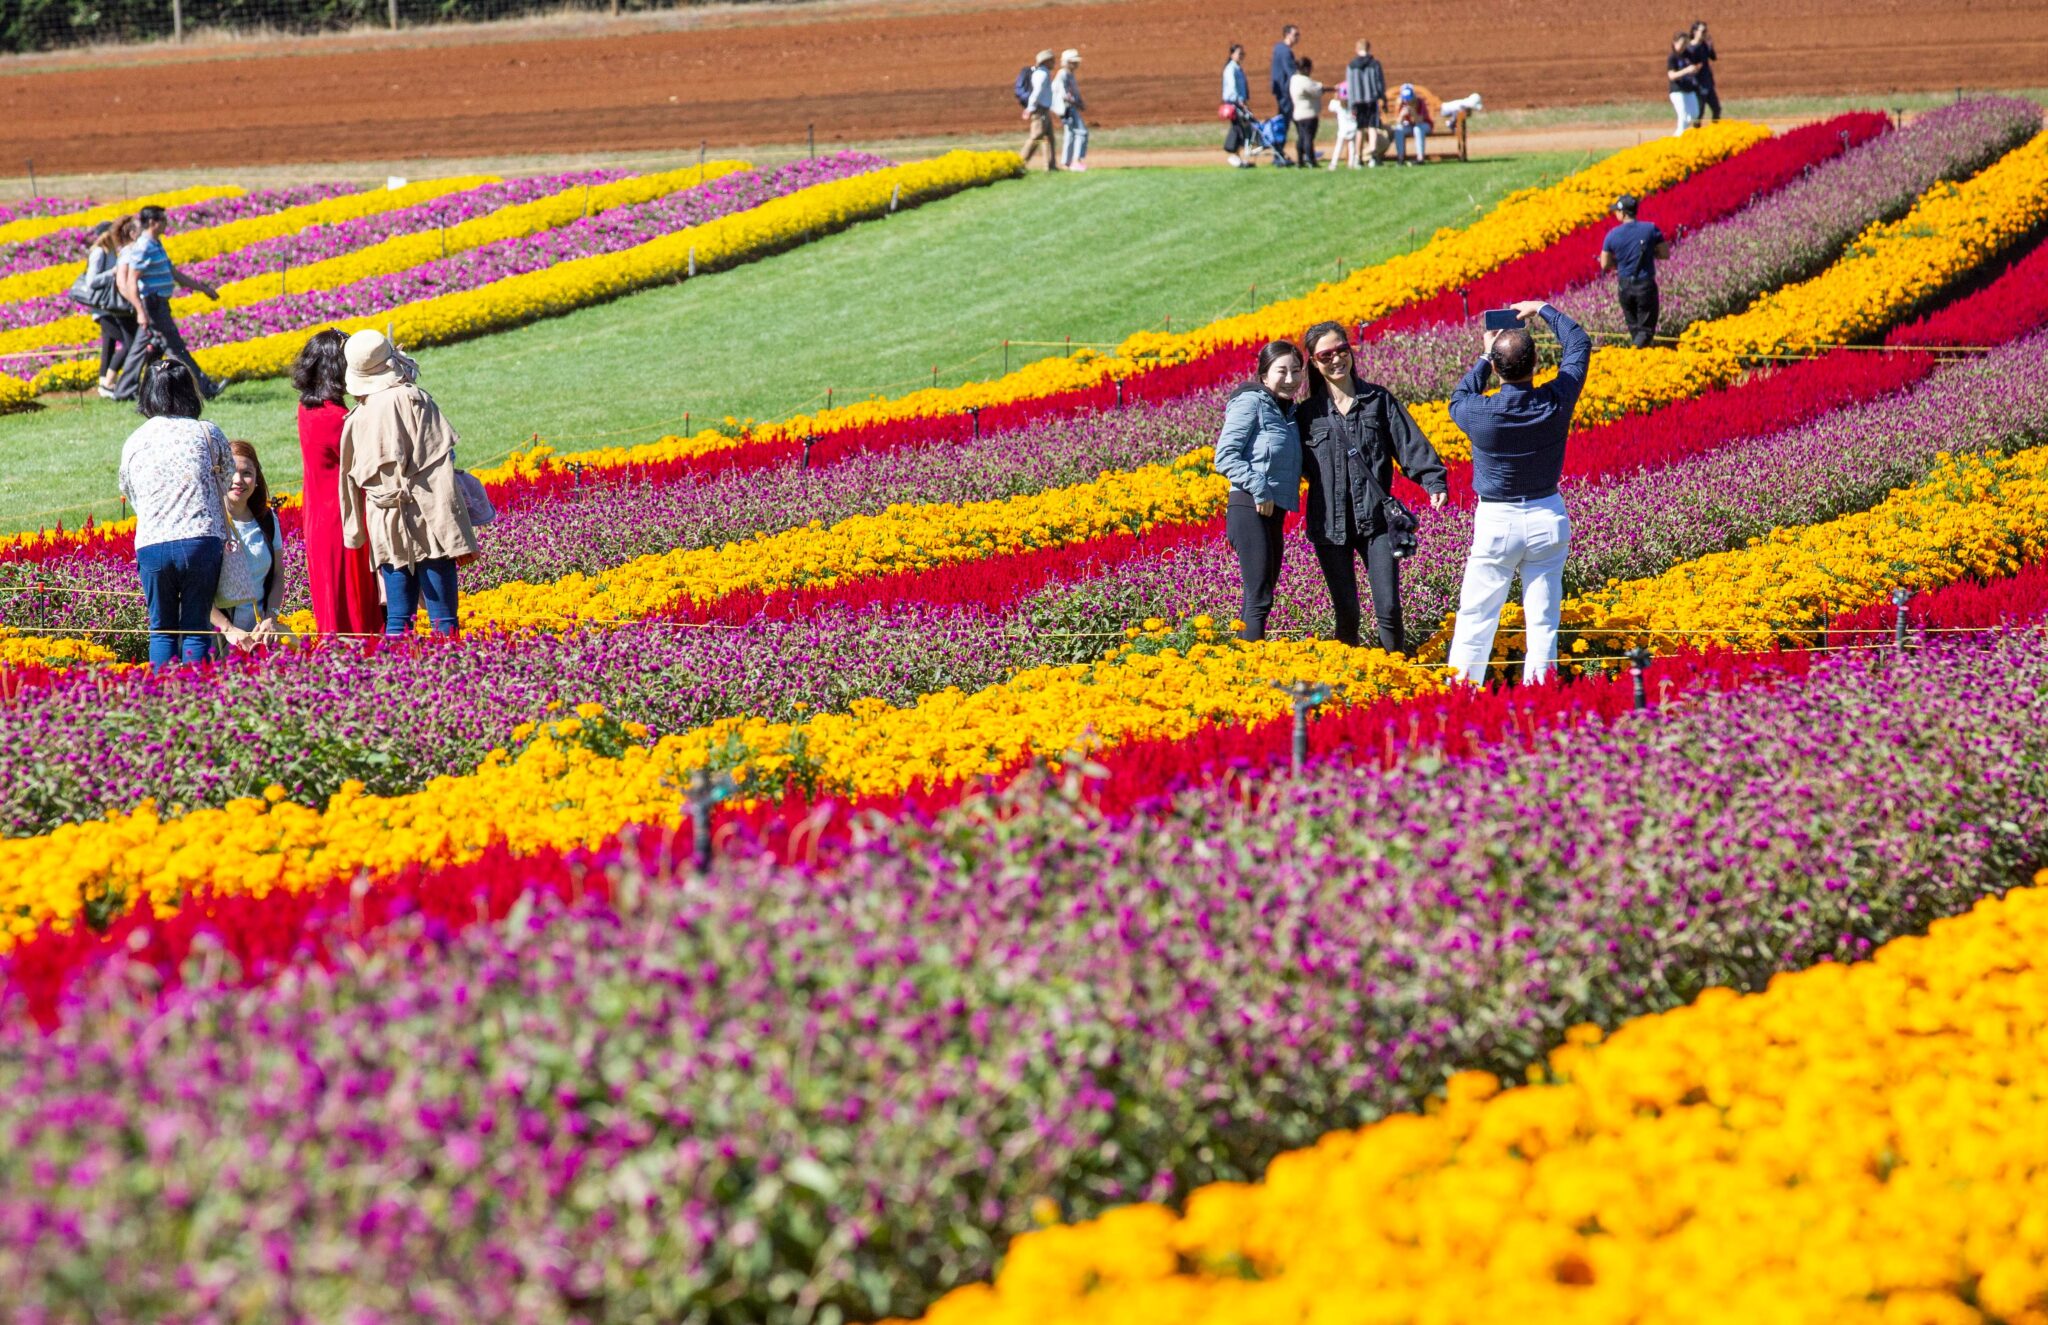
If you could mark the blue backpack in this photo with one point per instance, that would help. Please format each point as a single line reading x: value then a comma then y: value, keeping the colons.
x: 1023, y: 87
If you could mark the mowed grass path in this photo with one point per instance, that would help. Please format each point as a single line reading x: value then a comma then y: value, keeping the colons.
x: 1092, y: 256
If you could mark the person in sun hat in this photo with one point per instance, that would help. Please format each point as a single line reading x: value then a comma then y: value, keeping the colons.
x: 1631, y: 251
x: 1066, y: 108
x: 399, y: 490
x: 1038, y: 112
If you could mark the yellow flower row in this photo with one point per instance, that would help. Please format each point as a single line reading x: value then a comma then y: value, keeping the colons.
x: 48, y: 651
x: 558, y: 792
x: 728, y: 241
x: 1520, y: 223
x: 1982, y: 516
x: 901, y: 538
x: 198, y: 245
x: 394, y: 254
x: 1857, y: 1143
x: 34, y: 227
x: 1895, y: 266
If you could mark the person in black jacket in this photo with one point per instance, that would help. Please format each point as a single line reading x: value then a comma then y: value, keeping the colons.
x: 1352, y: 434
x: 1701, y: 53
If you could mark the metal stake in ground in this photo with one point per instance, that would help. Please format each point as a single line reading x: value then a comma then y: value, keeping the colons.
x: 1306, y: 696
x: 1638, y: 669
x: 810, y: 440
x: 704, y: 792
x: 1900, y: 597
x: 974, y: 412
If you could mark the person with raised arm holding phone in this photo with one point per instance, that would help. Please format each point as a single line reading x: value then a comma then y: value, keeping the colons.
x: 1518, y: 439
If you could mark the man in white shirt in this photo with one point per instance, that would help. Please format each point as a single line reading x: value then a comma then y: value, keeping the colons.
x: 1038, y: 113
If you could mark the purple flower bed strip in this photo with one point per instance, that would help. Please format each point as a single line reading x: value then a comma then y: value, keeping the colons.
x: 69, y: 245
x: 777, y: 1094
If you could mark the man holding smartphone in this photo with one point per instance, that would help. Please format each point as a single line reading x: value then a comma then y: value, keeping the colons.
x: 1518, y: 438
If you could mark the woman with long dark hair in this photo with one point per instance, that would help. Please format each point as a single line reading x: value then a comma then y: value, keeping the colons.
x: 174, y: 472
x: 1352, y: 432
x: 1259, y: 451
x: 251, y: 591
x: 342, y: 583
x: 101, y: 298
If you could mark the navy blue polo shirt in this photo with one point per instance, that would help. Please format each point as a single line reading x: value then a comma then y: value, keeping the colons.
x: 1634, y: 246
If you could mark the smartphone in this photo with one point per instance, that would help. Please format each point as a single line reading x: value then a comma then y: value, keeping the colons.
x: 1500, y: 319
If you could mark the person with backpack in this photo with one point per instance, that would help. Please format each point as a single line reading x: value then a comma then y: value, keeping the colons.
x: 97, y: 292
x: 1365, y: 89
x: 1037, y: 97
x: 1352, y: 434
x: 1259, y: 451
x: 1066, y: 108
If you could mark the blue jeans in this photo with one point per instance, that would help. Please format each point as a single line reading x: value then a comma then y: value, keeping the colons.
x: 178, y: 583
x: 432, y: 579
x: 1074, y: 146
x: 1401, y: 132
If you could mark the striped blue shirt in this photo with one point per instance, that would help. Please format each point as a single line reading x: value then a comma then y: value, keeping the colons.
x: 152, y: 265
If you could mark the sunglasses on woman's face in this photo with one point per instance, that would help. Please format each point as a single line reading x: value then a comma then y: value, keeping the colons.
x: 1338, y: 355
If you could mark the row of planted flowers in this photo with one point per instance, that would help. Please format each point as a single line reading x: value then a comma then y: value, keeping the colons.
x: 561, y: 200
x: 32, y: 223
x: 790, y: 1091
x: 1799, y: 1153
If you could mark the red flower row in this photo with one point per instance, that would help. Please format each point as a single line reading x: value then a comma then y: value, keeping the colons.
x: 1719, y: 191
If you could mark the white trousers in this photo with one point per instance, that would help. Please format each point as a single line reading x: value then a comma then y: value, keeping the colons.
x: 1531, y: 537
x: 1686, y: 105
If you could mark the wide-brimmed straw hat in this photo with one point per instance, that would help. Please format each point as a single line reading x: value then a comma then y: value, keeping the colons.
x: 1043, y: 57
x: 375, y: 363
x: 1070, y: 56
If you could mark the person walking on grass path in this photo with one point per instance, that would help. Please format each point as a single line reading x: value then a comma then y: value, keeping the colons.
x: 1681, y: 71
x: 175, y: 471
x: 1352, y: 434
x: 1066, y: 108
x: 1237, y: 108
x: 251, y: 591
x: 1259, y: 451
x: 340, y: 580
x: 399, y: 494
x: 1518, y: 439
x: 1038, y: 113
x: 146, y: 277
x: 1631, y: 251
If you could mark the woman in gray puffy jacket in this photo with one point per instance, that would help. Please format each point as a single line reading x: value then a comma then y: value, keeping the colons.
x: 1259, y: 451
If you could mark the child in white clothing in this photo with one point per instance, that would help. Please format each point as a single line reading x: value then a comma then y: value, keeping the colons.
x: 1347, y: 134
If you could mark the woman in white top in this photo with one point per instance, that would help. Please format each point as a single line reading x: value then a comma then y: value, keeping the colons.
x: 175, y: 472
x: 251, y: 589
x: 1066, y: 108
x: 1307, y: 94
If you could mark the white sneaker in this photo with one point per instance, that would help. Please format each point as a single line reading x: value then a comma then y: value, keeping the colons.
x: 1233, y: 158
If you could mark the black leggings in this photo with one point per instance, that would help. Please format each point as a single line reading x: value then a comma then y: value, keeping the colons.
x: 1710, y: 100
x: 1259, y: 550
x: 117, y: 332
x: 1383, y: 571
x: 1305, y: 138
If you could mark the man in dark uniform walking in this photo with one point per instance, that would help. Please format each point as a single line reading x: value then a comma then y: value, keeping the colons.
x: 1631, y: 251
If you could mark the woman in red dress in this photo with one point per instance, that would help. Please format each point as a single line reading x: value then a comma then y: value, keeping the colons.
x: 343, y: 586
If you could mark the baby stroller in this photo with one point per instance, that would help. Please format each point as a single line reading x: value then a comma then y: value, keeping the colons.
x: 1256, y: 135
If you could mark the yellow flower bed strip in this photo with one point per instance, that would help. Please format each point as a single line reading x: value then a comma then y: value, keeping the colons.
x: 557, y: 792
x: 17, y: 649
x: 1894, y: 266
x: 33, y: 227
x: 1855, y: 1144
x: 728, y: 241
x: 198, y: 245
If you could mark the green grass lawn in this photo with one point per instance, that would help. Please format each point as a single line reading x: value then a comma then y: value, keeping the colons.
x: 869, y: 311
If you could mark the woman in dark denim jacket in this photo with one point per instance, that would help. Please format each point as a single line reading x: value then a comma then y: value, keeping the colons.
x: 1352, y: 432
x: 1259, y: 451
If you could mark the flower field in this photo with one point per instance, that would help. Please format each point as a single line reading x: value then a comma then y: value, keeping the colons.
x: 847, y: 869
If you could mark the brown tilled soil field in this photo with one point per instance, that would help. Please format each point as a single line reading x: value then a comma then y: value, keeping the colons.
x: 876, y: 71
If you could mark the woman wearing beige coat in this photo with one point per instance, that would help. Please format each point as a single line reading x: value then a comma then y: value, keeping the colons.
x: 398, y: 490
